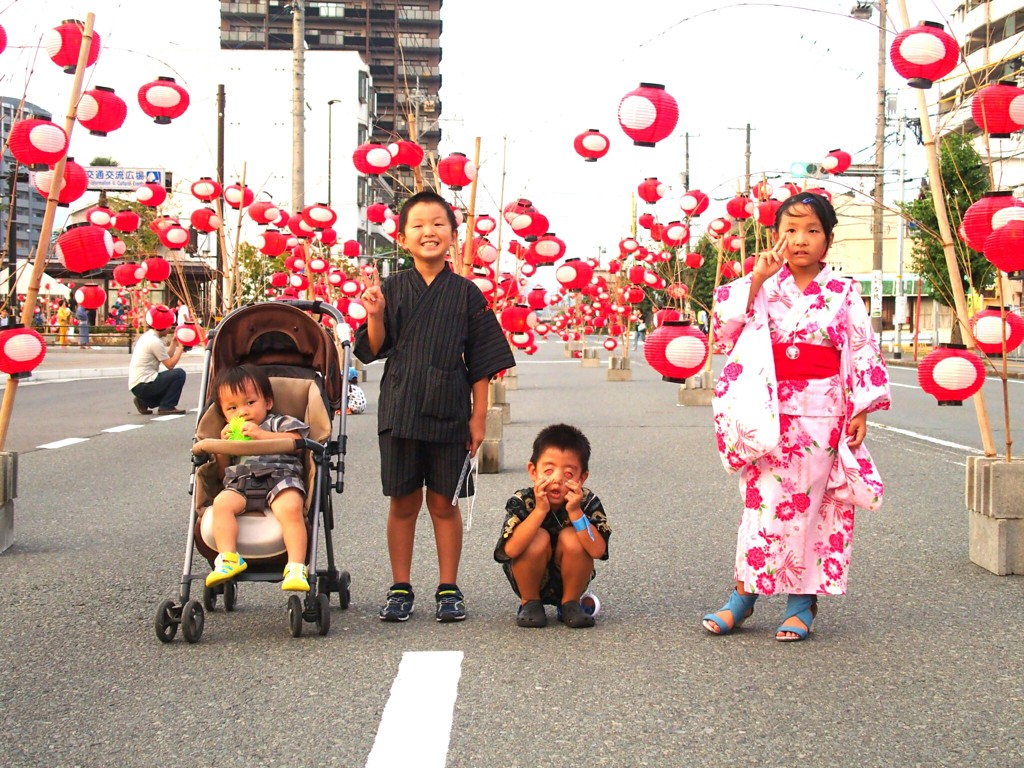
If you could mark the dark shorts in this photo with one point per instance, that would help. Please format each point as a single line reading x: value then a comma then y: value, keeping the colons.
x: 407, y: 465
x: 550, y: 583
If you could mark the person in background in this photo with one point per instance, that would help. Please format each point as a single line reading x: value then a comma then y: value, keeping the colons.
x: 63, y: 322
x: 150, y: 386
x: 356, y: 396
x: 82, y: 315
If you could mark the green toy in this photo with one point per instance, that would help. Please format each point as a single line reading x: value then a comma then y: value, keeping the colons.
x: 235, y: 429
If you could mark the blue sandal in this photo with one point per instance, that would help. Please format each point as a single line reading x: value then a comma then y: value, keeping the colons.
x: 740, y: 606
x: 803, y: 607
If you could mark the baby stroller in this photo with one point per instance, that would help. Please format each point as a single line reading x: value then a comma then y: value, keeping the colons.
x: 304, y: 361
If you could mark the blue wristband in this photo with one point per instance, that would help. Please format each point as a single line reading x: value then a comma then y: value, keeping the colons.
x: 581, y: 524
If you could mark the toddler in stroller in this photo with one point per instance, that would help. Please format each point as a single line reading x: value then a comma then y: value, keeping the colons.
x: 270, y: 355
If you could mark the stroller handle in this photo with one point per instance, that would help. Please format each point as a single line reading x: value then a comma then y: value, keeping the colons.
x: 317, y: 307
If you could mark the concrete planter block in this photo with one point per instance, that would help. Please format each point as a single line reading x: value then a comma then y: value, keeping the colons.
x: 1005, y: 490
x: 492, y: 425
x: 511, y: 380
x: 590, y: 361
x: 619, y: 374
x: 976, y: 490
x: 497, y: 387
x: 8, y: 492
x: 694, y: 396
x: 996, y: 545
x: 490, y: 454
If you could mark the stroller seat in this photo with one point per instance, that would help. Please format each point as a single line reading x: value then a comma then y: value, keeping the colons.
x: 259, y: 534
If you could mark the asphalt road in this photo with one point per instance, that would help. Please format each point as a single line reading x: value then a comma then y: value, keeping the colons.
x: 919, y: 664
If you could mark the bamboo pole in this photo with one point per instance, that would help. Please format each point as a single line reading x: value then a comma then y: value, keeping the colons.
x: 236, y: 293
x: 946, y: 235
x: 43, y: 247
x: 467, y: 246
x: 720, y: 248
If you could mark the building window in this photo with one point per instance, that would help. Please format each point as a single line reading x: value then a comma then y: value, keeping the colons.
x: 362, y: 135
x: 364, y: 87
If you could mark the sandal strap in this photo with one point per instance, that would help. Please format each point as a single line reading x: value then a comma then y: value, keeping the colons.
x: 740, y: 606
x: 800, y: 607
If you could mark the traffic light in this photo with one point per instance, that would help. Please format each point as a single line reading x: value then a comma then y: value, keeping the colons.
x: 802, y: 170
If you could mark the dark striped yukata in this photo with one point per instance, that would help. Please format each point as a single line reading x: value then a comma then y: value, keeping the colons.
x: 438, y: 340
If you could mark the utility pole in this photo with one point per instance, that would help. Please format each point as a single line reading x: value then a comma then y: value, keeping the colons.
x: 11, y: 239
x: 746, y: 182
x: 901, y: 299
x: 298, y: 102
x: 879, y: 193
x: 219, y: 251
x: 686, y: 162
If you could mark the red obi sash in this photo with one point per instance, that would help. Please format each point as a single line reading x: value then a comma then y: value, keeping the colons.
x: 805, y: 361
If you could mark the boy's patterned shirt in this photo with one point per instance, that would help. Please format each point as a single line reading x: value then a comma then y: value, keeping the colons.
x: 523, y: 502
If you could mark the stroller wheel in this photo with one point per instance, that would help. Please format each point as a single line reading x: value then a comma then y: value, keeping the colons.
x: 295, y: 615
x: 323, y: 613
x: 230, y: 595
x: 166, y: 622
x: 193, y: 618
x: 210, y: 598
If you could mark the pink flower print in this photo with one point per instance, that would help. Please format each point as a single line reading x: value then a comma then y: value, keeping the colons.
x: 836, y: 542
x: 836, y: 286
x: 801, y: 501
x: 723, y: 293
x: 753, y: 500
x: 785, y: 511
x: 818, y: 303
x: 721, y: 442
x: 765, y: 584
x: 755, y: 558
x: 832, y: 569
x: 865, y: 466
x: 878, y: 377
x: 731, y: 371
x: 833, y: 439
x: 812, y: 288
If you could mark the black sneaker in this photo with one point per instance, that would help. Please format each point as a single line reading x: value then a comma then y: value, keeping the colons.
x: 398, y: 606
x: 451, y: 605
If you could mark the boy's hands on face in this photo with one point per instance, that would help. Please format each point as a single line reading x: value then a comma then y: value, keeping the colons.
x: 372, y: 296
x: 540, y: 494
x: 573, y: 496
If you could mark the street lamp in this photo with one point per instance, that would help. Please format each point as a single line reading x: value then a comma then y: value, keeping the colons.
x: 330, y: 135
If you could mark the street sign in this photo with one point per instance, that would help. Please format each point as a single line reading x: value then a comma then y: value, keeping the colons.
x: 876, y: 293
x: 115, y: 178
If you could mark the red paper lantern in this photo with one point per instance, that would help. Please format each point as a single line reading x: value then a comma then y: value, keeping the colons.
x: 529, y: 224
x: 484, y: 225
x: 72, y: 186
x: 205, y: 220
x: 836, y: 161
x: 645, y: 220
x: 762, y: 191
x: 372, y: 159
x: 694, y: 260
x: 574, y: 274
x: 328, y: 237
x: 1005, y: 246
x: 766, y: 212
x: 318, y: 216
x: 610, y: 344
x: 990, y: 329
x: 406, y: 153
x: 83, y: 247
x: 298, y: 226
x: 740, y: 207
x: 319, y: 265
x: 376, y: 213
x: 694, y: 202
x: 677, y: 291
x: 676, y: 350
x: 591, y: 145
x: 3, y: 39
x: 37, y: 142
x: 174, y: 237
x: 356, y: 312
x: 206, y: 189
x: 648, y: 114
x: 21, y: 350
x: 271, y: 243
x: 718, y: 227
x: 279, y: 279
x: 732, y: 243
x: 633, y: 295
x: 663, y: 316
x: 119, y: 248
x: 127, y: 274
x: 998, y: 109
x: 160, y: 316
x: 238, y: 196
x: 91, y: 296
x: 675, y: 234
x: 924, y: 54
x: 979, y: 218
x: 456, y: 171
x: 263, y: 212
x: 151, y: 194
x: 156, y: 269
x: 951, y: 374
x: 651, y: 190
x: 189, y: 334
x: 163, y: 100
x: 548, y: 249
x: 351, y: 249
x: 518, y: 319
x: 64, y: 42
x: 100, y: 216
x: 101, y: 110
x: 126, y: 221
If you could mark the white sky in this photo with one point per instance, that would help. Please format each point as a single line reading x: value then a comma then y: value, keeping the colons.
x: 534, y: 74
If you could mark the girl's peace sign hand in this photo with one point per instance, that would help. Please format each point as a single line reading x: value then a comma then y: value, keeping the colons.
x: 372, y: 296
x: 768, y: 263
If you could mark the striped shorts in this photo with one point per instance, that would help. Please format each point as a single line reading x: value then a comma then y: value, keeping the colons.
x: 407, y: 465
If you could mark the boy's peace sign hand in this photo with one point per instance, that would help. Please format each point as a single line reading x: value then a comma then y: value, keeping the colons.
x: 372, y: 296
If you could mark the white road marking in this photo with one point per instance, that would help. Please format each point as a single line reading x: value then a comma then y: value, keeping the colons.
x: 926, y: 438
x: 905, y: 386
x: 124, y: 428
x: 417, y: 721
x: 63, y: 443
x: 168, y: 417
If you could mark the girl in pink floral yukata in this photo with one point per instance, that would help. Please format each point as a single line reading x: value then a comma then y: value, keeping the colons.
x: 795, y: 535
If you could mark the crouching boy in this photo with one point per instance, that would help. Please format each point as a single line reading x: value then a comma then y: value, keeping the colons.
x: 554, y: 531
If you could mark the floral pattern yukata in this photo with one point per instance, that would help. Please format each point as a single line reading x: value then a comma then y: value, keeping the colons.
x: 794, y: 538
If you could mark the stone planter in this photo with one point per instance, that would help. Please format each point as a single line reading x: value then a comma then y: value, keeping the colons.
x: 618, y: 369
x: 590, y: 358
x: 490, y: 452
x: 498, y: 399
x: 994, y: 496
x: 8, y: 492
x: 697, y: 390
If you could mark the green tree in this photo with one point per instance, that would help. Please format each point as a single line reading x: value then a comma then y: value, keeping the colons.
x: 102, y: 160
x: 143, y: 242
x: 965, y: 178
x: 254, y: 271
